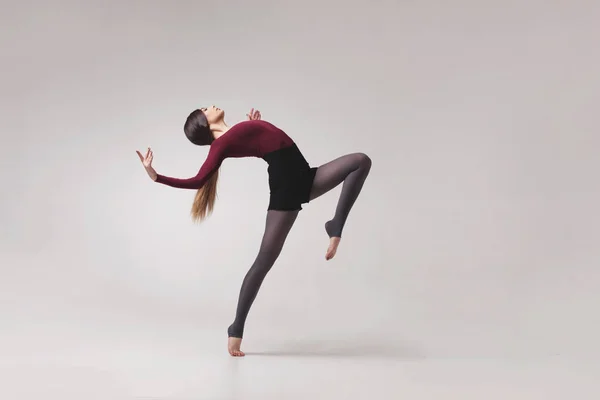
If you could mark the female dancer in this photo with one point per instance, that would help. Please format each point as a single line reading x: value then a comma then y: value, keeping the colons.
x: 292, y: 182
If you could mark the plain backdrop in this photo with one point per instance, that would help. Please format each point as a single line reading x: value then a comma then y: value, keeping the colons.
x: 476, y: 234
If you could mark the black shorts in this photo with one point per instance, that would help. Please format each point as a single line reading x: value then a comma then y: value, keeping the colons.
x: 290, y: 179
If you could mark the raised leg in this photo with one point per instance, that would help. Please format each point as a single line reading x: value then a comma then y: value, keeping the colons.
x: 277, y: 227
x: 352, y: 170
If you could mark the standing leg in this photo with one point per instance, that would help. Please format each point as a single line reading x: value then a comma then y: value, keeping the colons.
x: 352, y: 169
x: 277, y: 227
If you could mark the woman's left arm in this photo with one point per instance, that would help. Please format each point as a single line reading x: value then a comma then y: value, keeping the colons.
x: 253, y: 115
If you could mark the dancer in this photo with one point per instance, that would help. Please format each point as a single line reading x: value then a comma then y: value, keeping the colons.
x: 292, y: 182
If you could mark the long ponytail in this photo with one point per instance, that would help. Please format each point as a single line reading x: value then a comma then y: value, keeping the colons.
x: 197, y: 130
x: 204, y: 201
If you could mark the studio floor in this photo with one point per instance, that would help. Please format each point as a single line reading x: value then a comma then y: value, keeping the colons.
x: 136, y: 360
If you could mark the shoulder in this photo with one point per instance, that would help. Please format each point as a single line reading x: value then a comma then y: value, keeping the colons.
x: 265, y: 126
x: 252, y: 127
x: 252, y: 124
x: 217, y: 147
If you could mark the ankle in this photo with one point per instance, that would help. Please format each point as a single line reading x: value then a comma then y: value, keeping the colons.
x: 333, y: 229
x: 234, y: 332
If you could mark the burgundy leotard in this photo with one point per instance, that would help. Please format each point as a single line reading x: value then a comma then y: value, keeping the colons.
x: 246, y: 139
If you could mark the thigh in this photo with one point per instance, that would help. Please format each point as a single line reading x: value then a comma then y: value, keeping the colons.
x: 331, y: 174
x: 277, y: 227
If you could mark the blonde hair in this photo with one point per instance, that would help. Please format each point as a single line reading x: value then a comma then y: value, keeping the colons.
x: 204, y: 201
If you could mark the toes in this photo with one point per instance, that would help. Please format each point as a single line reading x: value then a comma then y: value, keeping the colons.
x: 329, y: 254
x: 236, y: 353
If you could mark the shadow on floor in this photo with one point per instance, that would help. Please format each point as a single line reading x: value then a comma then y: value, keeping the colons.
x: 342, y: 348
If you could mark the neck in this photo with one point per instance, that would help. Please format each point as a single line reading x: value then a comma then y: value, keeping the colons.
x: 218, y: 129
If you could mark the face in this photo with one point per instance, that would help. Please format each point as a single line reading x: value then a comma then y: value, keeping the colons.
x: 213, y: 114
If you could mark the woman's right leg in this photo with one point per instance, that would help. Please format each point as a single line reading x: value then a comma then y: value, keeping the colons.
x: 352, y: 170
x: 278, y: 225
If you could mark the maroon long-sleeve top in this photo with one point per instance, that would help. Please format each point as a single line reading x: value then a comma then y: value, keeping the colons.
x: 245, y: 139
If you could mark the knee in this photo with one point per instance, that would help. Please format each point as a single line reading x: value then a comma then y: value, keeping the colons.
x: 364, y: 161
x: 265, y: 259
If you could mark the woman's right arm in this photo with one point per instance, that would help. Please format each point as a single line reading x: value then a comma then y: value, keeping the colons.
x: 147, y: 163
x: 211, y: 164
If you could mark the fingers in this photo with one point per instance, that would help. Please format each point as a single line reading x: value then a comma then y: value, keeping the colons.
x: 253, y: 115
x: 147, y: 159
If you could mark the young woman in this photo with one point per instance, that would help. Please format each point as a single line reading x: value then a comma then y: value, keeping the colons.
x: 292, y: 182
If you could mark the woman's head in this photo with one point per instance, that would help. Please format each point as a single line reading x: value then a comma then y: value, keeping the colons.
x: 199, y: 125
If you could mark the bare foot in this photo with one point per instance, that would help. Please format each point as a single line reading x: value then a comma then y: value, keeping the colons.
x: 332, y: 249
x: 233, y: 345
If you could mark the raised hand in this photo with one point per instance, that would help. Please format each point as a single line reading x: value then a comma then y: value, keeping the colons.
x: 147, y: 163
x: 253, y: 115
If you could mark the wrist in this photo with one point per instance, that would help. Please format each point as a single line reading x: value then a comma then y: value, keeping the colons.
x: 152, y: 174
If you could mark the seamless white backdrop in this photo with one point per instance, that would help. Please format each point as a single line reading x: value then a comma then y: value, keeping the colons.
x: 475, y: 237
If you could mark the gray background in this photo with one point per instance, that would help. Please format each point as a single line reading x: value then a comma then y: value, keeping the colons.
x: 475, y: 237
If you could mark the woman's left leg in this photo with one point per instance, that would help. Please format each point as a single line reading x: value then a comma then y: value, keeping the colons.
x: 352, y: 170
